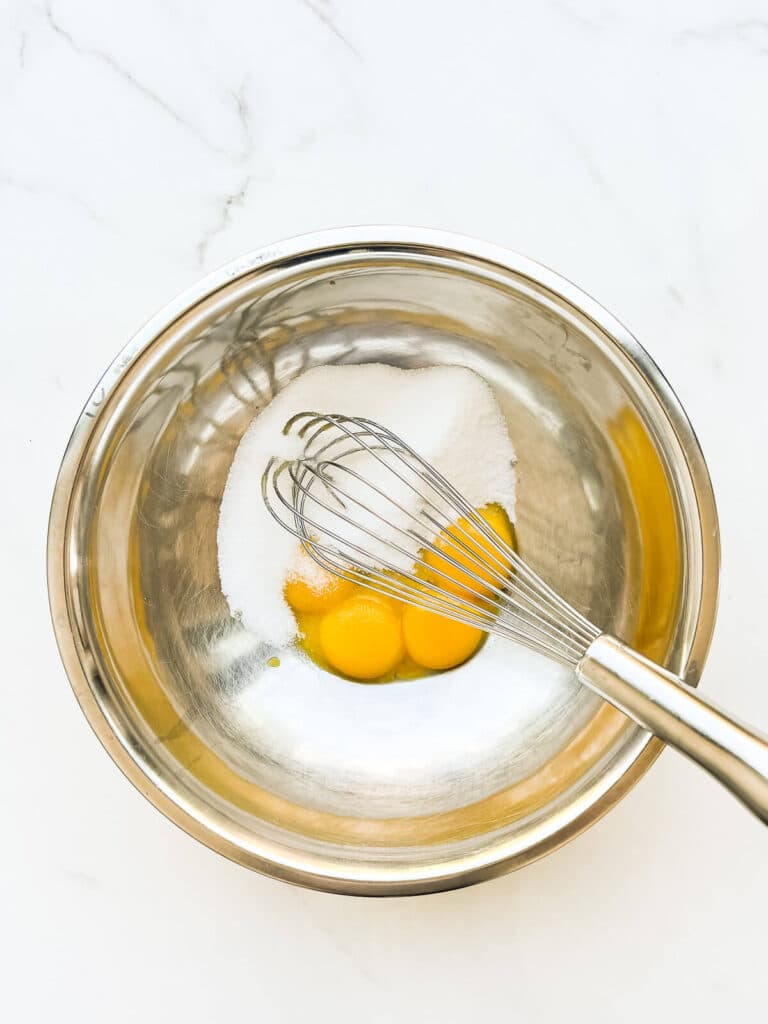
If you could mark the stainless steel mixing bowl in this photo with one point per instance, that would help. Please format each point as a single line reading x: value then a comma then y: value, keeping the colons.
x: 615, y: 509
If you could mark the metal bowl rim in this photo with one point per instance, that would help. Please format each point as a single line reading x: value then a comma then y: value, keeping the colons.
x: 312, y: 870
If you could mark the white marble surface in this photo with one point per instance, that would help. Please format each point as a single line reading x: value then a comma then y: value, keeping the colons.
x: 143, y: 143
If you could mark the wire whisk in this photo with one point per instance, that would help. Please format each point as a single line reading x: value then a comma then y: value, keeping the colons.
x: 368, y: 508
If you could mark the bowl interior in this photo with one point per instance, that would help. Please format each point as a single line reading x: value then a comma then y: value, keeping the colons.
x: 309, y: 776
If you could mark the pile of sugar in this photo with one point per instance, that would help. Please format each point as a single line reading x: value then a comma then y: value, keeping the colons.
x: 447, y: 414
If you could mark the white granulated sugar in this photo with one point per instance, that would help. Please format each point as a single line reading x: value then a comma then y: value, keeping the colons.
x: 394, y: 750
x: 447, y: 414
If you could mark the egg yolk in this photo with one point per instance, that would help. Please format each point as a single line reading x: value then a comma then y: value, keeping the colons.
x: 362, y: 637
x: 368, y: 636
x: 318, y: 592
x: 436, y: 642
x: 483, y: 558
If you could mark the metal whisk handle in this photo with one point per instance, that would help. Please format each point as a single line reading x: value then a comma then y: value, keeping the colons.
x: 733, y: 753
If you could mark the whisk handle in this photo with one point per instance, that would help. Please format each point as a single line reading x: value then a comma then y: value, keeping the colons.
x: 734, y: 753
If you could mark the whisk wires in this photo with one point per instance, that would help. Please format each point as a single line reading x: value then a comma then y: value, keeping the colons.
x: 346, y: 499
